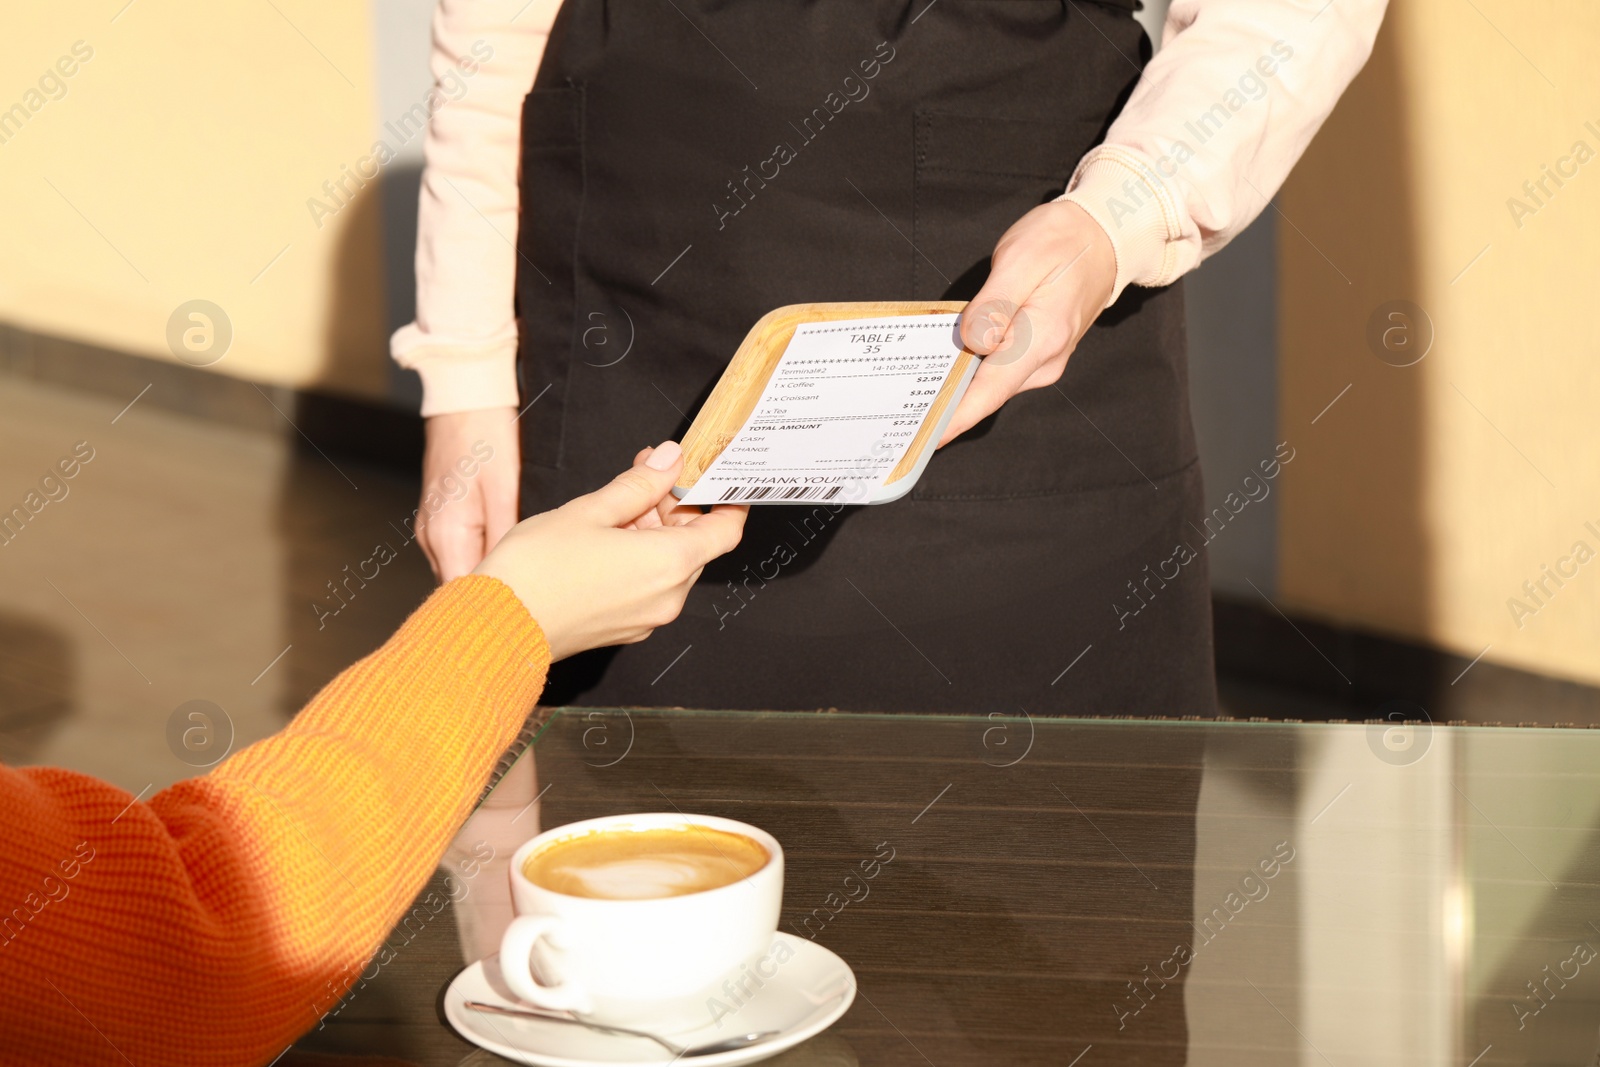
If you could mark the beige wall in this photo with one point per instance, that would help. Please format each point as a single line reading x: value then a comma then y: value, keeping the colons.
x: 1423, y: 499
x: 187, y: 147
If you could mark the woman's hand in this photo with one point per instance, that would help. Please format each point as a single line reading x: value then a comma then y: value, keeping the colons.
x: 604, y: 569
x: 1052, y: 274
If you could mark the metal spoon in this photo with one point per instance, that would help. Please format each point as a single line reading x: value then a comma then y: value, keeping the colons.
x: 726, y: 1045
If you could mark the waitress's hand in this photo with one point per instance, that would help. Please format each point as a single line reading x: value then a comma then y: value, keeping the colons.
x: 470, y: 473
x: 1052, y: 274
x: 593, y: 574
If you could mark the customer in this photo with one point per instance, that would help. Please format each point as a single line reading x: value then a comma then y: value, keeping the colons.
x: 208, y: 924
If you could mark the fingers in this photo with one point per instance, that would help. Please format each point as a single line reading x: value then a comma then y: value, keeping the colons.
x: 652, y: 517
x: 1048, y: 373
x: 1044, y: 332
x: 997, y: 322
x: 427, y: 552
x: 1011, y: 356
x: 988, y: 319
x: 469, y: 477
x: 499, y: 511
x: 991, y: 387
x: 984, y: 321
x: 674, y: 513
x: 993, y: 323
x: 455, y: 540
x: 634, y: 491
x: 711, y: 534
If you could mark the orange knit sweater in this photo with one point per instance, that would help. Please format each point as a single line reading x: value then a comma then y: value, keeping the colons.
x: 207, y: 925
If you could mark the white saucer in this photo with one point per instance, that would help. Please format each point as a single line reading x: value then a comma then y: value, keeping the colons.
x: 811, y: 990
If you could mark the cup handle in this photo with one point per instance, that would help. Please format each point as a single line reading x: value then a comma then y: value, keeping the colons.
x: 516, y: 959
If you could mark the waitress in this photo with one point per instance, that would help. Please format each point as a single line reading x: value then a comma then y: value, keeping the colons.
x: 683, y: 168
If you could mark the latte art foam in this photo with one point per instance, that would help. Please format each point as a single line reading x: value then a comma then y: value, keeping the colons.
x: 645, y: 864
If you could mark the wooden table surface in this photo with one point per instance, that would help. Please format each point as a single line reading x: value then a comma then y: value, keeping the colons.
x: 1043, y: 871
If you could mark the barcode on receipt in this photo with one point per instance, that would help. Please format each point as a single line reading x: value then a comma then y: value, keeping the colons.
x: 736, y: 494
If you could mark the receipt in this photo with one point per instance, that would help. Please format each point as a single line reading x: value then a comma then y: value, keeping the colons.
x: 842, y: 406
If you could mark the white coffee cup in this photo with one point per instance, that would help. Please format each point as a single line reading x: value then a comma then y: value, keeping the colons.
x: 646, y: 963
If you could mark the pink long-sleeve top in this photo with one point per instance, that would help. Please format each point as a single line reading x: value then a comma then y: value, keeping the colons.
x: 1219, y: 116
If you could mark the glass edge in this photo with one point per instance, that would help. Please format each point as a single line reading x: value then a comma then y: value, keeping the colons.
x: 551, y: 714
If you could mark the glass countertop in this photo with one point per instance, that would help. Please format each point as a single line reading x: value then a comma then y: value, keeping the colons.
x: 1100, y: 892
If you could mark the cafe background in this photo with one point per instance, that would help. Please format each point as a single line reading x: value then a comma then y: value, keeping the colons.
x: 1413, y: 317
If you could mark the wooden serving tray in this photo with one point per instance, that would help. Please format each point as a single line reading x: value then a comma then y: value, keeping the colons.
x: 735, y: 395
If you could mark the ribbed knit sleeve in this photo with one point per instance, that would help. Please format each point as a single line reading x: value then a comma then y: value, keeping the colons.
x: 219, y: 920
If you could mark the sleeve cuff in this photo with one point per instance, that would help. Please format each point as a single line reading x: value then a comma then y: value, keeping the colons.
x: 457, y: 374
x: 1122, y: 192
